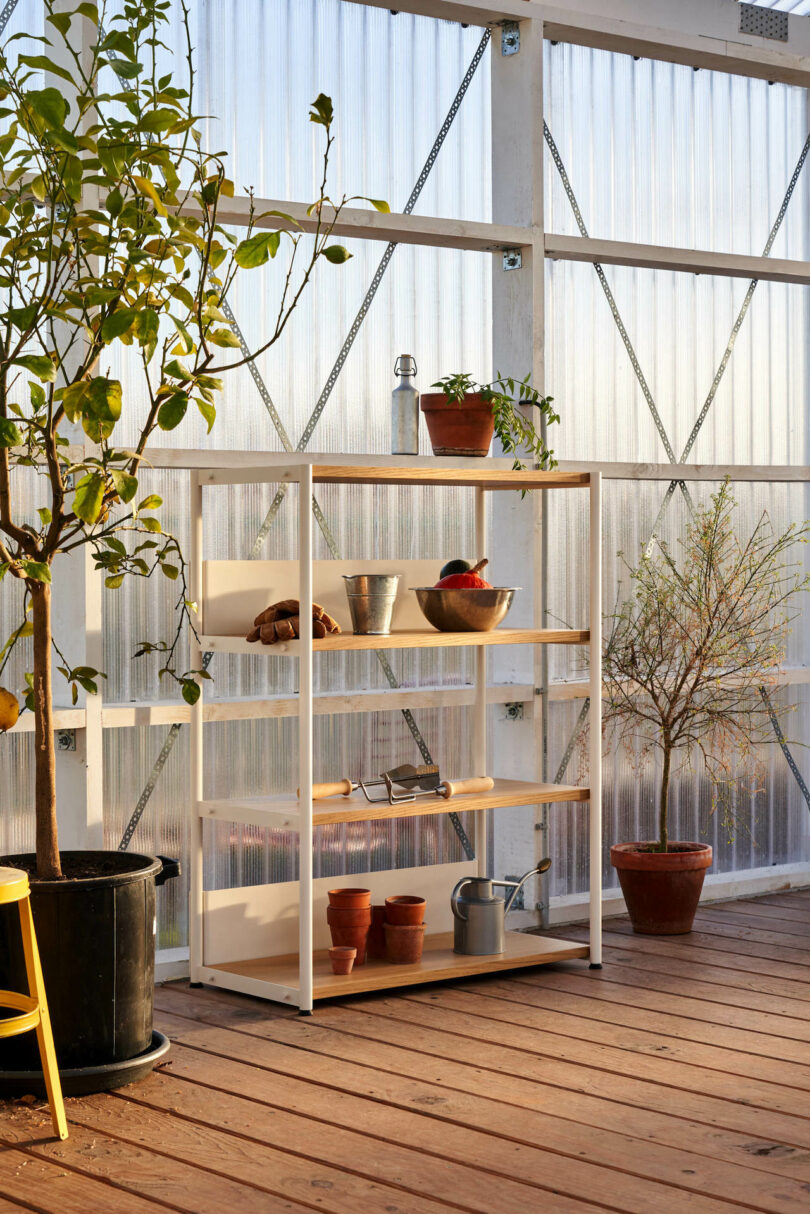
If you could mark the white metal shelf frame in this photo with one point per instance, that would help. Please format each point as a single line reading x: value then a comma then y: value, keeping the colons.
x: 303, y: 995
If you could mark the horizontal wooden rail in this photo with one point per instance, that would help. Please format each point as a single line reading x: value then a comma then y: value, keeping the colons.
x: 665, y: 257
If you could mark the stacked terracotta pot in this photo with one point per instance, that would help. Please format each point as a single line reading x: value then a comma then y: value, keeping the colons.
x: 349, y: 917
x: 404, y: 929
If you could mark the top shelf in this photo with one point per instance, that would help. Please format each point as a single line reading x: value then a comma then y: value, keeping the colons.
x: 461, y: 474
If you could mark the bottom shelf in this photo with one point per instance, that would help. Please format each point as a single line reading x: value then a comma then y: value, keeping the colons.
x: 438, y: 963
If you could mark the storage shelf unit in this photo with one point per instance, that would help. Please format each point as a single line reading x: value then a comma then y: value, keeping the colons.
x: 305, y: 976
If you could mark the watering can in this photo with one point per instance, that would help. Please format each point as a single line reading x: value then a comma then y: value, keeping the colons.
x: 479, y: 913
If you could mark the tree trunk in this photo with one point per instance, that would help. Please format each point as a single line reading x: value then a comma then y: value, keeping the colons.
x: 663, y: 834
x: 48, y: 864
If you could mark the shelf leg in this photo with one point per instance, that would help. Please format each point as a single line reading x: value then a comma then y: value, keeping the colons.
x: 305, y: 979
x: 595, y: 808
x: 480, y: 764
x: 196, y: 918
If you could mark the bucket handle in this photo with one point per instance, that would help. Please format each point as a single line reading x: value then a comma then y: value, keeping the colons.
x: 171, y: 868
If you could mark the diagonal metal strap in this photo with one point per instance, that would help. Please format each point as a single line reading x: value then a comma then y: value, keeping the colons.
x: 695, y: 429
x: 310, y: 427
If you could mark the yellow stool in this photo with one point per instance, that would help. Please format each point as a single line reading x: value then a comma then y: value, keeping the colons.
x: 33, y: 1007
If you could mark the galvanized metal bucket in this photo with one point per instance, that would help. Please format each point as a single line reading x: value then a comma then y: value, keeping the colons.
x: 371, y: 601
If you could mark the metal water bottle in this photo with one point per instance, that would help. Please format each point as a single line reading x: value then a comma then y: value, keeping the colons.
x: 405, y: 409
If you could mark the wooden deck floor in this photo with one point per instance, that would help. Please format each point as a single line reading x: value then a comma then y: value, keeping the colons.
x: 676, y: 1079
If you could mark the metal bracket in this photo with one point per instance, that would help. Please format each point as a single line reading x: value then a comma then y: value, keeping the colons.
x: 514, y: 711
x: 512, y: 259
x: 65, y: 739
x: 510, y: 38
x: 764, y: 22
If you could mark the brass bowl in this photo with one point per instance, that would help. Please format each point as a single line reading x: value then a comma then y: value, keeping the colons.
x: 464, y: 609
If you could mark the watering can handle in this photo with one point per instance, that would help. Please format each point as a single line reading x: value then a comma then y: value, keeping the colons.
x: 454, y: 899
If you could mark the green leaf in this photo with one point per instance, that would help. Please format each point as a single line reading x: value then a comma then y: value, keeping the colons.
x: 61, y: 21
x: 89, y: 496
x: 224, y: 337
x: 10, y: 435
x: 171, y: 571
x: 38, y: 571
x: 114, y: 203
x: 176, y: 370
x: 146, y: 328
x: 38, y: 364
x: 145, y: 186
x: 90, y: 11
x: 112, y: 583
x: 44, y: 64
x: 208, y: 411
x: 152, y: 502
x: 151, y: 524
x: 379, y: 204
x: 44, y: 515
x: 185, y: 337
x: 118, y: 323
x: 173, y: 410
x: 257, y: 249
x: 336, y: 254
x: 322, y: 111
x: 191, y: 691
x: 126, y: 486
x: 49, y: 104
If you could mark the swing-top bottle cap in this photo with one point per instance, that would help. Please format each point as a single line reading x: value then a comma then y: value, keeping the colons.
x: 405, y: 365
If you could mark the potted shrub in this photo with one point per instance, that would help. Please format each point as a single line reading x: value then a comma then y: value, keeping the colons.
x: 462, y: 418
x: 109, y: 235
x: 688, y: 664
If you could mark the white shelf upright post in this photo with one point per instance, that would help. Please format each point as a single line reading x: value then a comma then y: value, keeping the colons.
x: 595, y: 781
x: 195, y: 662
x: 479, y: 757
x: 305, y: 975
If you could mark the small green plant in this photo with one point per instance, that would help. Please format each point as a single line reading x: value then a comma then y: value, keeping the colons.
x: 694, y: 651
x: 514, y: 430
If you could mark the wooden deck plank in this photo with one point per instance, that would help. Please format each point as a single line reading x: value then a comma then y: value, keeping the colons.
x: 619, y: 984
x: 377, y: 1143
x: 675, y: 1079
x: 124, y: 1173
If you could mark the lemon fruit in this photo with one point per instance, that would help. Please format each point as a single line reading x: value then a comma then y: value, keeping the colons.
x: 9, y: 710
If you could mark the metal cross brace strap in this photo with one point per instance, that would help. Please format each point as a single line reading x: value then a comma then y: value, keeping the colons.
x: 174, y: 731
x: 581, y: 720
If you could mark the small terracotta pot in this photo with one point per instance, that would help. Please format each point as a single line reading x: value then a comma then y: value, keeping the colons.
x: 350, y: 898
x: 661, y: 889
x: 458, y: 429
x: 342, y: 959
x: 404, y: 943
x: 375, y: 945
x: 405, y: 909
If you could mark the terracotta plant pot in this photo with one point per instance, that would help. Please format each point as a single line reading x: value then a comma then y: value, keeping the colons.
x: 458, y: 429
x: 403, y: 944
x: 342, y: 959
x: 375, y: 945
x: 349, y: 928
x: 353, y: 898
x: 661, y: 889
x: 405, y: 909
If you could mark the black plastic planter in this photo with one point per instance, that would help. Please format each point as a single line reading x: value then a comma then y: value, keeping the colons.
x: 96, y: 937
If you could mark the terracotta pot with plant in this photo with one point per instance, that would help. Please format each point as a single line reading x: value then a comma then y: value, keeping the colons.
x: 689, y: 666
x: 111, y: 236
x: 463, y: 417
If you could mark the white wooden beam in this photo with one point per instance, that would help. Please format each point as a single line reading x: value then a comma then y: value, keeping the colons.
x: 466, y: 12
x: 769, y: 473
x: 698, y: 33
x: 687, y: 261
x: 366, y: 224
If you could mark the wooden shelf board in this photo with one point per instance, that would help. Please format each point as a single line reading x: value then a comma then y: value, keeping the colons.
x: 282, y: 811
x: 438, y: 963
x: 487, y: 478
x: 427, y: 638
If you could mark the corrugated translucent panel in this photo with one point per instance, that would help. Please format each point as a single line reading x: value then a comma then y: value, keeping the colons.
x: 659, y: 153
x: 432, y: 303
x: 799, y: 8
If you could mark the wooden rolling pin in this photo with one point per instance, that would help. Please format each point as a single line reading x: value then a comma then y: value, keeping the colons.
x: 448, y: 788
